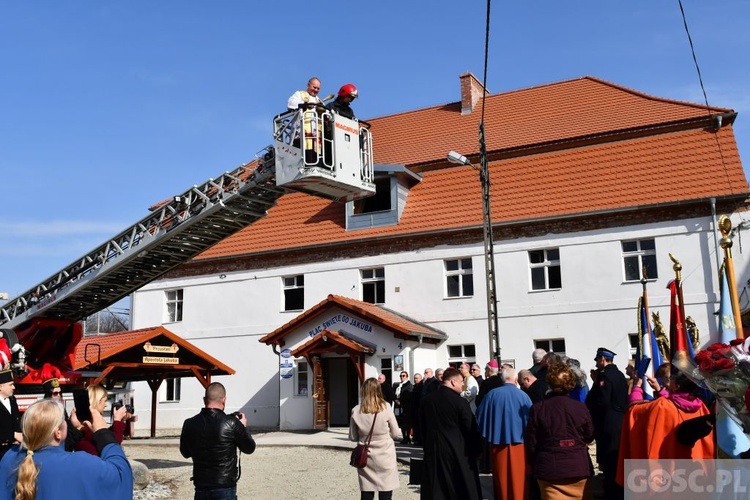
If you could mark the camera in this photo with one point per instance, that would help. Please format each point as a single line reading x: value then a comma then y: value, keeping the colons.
x: 119, y: 404
x: 236, y: 415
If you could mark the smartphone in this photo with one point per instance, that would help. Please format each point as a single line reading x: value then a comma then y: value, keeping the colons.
x: 81, y: 400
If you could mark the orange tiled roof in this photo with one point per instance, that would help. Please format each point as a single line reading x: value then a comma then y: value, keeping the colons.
x: 600, y: 176
x: 114, y: 343
x: 399, y: 324
x: 325, y: 340
x: 553, y: 112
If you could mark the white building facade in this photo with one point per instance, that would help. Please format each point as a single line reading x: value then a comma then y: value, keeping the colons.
x: 568, y: 280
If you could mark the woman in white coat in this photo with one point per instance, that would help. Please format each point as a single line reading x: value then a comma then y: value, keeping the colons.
x: 381, y: 472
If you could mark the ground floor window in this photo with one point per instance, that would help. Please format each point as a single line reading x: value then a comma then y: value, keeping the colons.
x: 551, y: 345
x: 172, y: 389
x: 302, y: 378
x: 465, y: 353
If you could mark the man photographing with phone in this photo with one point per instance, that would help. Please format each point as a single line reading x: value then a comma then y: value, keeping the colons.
x: 211, y: 439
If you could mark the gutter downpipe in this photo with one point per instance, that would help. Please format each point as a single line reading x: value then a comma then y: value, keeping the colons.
x: 275, y: 349
x: 716, y: 240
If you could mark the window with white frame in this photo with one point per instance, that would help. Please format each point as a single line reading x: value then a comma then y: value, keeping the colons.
x: 294, y: 293
x: 303, y: 372
x: 172, y: 389
x: 551, y: 345
x: 174, y: 305
x: 544, y: 266
x: 458, y: 354
x: 373, y: 285
x: 637, y: 254
x: 459, y: 280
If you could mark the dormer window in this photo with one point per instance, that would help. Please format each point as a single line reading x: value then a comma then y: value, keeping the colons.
x: 379, y: 202
x: 384, y: 208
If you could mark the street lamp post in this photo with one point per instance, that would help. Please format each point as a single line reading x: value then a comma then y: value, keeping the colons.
x: 489, y: 249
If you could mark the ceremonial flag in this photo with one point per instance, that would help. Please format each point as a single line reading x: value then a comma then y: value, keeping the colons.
x: 678, y: 341
x: 729, y: 436
x: 644, y: 362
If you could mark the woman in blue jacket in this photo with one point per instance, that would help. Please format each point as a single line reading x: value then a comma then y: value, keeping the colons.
x: 62, y: 474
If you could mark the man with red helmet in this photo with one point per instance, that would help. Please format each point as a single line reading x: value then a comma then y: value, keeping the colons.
x: 341, y: 104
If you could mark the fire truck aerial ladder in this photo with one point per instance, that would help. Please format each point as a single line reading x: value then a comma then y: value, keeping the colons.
x: 315, y: 151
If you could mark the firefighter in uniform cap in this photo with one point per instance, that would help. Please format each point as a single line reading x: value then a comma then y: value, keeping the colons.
x: 607, y: 402
x: 53, y: 390
x: 342, y: 103
x: 10, y: 417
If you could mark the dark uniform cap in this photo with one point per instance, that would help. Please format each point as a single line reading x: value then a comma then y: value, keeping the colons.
x: 604, y: 352
x: 6, y: 376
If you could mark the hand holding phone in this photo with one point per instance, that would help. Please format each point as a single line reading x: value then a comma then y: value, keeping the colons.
x: 81, y: 400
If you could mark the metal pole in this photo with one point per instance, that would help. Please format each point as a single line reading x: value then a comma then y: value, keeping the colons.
x: 489, y: 250
x: 725, y: 226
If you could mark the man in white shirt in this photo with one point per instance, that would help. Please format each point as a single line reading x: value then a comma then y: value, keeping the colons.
x: 305, y: 96
x: 470, y: 388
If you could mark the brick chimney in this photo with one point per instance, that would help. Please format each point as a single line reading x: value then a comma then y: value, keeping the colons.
x: 471, y: 92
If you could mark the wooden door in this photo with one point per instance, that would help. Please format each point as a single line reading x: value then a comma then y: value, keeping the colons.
x: 321, y: 404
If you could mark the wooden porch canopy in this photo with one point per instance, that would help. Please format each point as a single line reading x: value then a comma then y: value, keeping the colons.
x: 151, y: 354
x: 340, y: 343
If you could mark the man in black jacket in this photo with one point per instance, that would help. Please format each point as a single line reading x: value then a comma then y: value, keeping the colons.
x: 211, y: 438
x: 10, y: 417
x: 607, y: 401
x: 342, y: 103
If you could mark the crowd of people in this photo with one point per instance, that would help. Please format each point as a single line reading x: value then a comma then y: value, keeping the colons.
x: 533, y: 429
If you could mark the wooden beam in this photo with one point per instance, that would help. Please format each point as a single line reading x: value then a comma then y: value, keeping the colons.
x: 154, y: 384
x: 101, y: 377
x: 204, y: 380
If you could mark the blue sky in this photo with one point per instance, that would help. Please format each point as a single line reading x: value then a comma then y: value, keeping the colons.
x: 109, y: 107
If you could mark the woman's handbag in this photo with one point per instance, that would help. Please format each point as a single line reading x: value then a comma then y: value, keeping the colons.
x: 359, y: 453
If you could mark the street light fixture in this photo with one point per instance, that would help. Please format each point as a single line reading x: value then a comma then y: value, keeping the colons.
x: 489, y: 250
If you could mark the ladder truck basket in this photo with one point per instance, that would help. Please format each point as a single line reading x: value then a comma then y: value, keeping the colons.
x: 323, y: 153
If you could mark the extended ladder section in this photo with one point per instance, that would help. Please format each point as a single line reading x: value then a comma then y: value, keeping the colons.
x: 323, y: 153
x: 174, y: 233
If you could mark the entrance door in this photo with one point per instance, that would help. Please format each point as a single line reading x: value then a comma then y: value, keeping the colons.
x: 320, y: 407
x: 343, y: 389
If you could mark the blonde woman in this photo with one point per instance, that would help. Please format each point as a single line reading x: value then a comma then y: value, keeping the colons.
x: 381, y: 472
x: 41, y: 468
x: 98, y: 400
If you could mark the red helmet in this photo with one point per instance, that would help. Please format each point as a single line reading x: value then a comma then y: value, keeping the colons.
x: 348, y: 89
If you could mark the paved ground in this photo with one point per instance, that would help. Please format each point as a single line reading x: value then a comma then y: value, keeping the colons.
x: 288, y: 465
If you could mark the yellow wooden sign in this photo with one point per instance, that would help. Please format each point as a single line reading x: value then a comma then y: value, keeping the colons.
x: 166, y: 349
x: 160, y: 360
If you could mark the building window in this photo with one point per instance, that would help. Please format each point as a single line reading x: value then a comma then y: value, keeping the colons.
x: 172, y: 389
x: 386, y: 368
x: 174, y: 305
x: 636, y: 255
x: 373, y: 285
x: 302, y: 378
x: 458, y: 354
x: 294, y: 293
x: 551, y: 345
x: 379, y: 202
x: 544, y: 266
x: 633, y: 337
x: 459, y: 281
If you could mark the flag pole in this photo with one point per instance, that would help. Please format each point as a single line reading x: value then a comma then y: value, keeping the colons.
x: 725, y: 226
x: 677, y: 331
x: 644, y: 279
